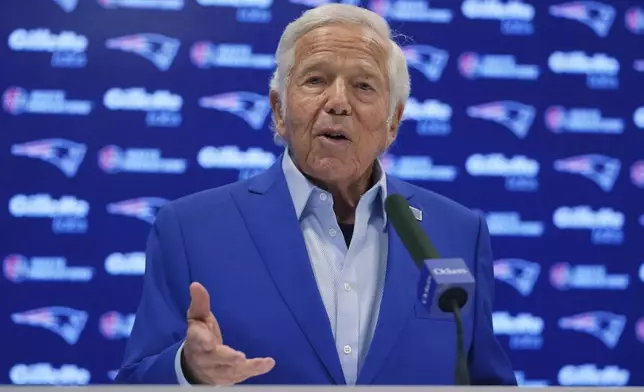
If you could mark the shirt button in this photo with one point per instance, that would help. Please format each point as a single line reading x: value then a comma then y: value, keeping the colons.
x: 323, y: 196
x: 347, y: 349
x: 347, y: 287
x: 332, y: 232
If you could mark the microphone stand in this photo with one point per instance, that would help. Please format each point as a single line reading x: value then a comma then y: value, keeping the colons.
x: 461, y: 372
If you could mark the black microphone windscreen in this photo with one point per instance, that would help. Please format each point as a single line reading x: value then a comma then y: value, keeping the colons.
x: 411, y: 234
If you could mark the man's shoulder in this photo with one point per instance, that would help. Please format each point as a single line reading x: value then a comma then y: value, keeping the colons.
x: 435, y: 201
x: 206, y: 200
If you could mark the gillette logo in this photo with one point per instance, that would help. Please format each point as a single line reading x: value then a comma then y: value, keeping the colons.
x: 600, y: 69
x: 417, y: 168
x: 249, y: 11
x: 605, y: 326
x: 114, y: 325
x: 132, y: 264
x: 45, y: 374
x: 410, y: 11
x: 520, y: 172
x: 68, y: 214
x: 231, y: 157
x: 589, y: 375
x: 495, y: 66
x: 516, y: 16
x: 524, y: 330
x: 515, y: 116
x: 143, y: 208
x: 250, y: 107
x: 597, y: 16
x: 581, y: 120
x: 637, y: 174
x: 65, y: 322
x: 638, y: 117
x: 163, y: 107
x: 520, y: 274
x: 428, y: 60
x: 600, y: 169
x: 606, y: 224
x: 634, y: 19
x: 65, y: 155
x: 16, y: 100
x: 564, y: 276
x: 432, y: 116
x: 156, y: 48
x: 113, y: 159
x: 510, y: 224
x: 162, y: 5
x: 67, y: 48
x: 18, y: 269
x: 205, y: 55
x: 249, y: 163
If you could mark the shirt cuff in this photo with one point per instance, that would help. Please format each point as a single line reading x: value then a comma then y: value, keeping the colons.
x: 181, y: 378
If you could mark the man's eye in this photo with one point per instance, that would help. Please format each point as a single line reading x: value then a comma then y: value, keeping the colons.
x: 364, y: 86
x: 314, y: 80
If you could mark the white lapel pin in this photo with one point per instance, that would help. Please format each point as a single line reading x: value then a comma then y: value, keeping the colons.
x: 418, y: 214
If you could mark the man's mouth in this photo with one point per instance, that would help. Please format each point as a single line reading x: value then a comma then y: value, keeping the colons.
x: 334, y: 135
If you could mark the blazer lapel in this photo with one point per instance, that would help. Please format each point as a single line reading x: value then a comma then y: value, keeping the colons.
x: 268, y: 211
x: 398, y: 299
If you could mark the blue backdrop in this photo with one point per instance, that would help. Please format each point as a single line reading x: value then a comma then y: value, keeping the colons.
x: 530, y: 111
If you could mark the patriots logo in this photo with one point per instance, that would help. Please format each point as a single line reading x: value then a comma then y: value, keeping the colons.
x: 251, y: 107
x: 66, y: 322
x: 67, y: 5
x: 143, y: 208
x: 520, y: 274
x: 157, y: 48
x: 64, y: 154
x: 600, y: 169
x: 599, y: 17
x: 428, y: 60
x: 515, y: 116
x: 605, y: 326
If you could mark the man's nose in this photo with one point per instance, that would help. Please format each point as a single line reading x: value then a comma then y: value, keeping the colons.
x: 338, y: 102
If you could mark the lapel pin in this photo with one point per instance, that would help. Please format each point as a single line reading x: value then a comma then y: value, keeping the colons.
x: 418, y: 214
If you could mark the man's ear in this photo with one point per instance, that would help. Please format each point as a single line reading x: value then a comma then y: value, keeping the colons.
x: 277, y: 111
x: 392, y: 132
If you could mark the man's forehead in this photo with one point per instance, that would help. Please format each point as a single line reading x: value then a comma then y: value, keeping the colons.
x: 343, y: 40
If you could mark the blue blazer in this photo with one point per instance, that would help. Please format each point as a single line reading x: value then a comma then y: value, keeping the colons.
x: 242, y: 241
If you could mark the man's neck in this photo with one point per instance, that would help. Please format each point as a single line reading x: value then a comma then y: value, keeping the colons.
x: 347, y: 195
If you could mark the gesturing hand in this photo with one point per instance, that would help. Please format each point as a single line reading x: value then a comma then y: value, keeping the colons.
x: 205, y: 357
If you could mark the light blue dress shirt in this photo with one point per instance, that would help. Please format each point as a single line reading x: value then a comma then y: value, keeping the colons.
x: 350, y: 280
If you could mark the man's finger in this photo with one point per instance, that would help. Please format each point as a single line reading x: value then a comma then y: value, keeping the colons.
x: 199, y: 303
x: 254, y: 367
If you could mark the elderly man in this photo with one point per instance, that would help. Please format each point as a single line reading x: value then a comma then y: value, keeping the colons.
x: 296, y: 276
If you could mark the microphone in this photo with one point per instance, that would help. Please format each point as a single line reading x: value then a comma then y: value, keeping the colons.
x: 445, y: 284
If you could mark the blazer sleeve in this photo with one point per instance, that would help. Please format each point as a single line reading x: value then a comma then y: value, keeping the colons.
x: 160, y: 324
x: 488, y: 362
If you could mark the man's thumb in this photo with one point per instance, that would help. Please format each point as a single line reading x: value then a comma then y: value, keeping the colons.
x: 200, y: 302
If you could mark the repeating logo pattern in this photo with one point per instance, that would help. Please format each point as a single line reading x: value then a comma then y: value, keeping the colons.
x: 528, y: 112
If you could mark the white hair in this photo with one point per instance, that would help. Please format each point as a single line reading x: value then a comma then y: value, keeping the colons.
x: 399, y: 83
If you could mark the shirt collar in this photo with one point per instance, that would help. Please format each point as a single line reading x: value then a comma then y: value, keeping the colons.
x: 301, y: 188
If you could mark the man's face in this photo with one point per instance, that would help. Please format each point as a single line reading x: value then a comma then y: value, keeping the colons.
x: 337, y: 103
